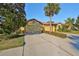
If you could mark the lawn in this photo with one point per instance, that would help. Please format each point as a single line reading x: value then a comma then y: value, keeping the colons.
x: 61, y: 35
x: 71, y: 32
x: 11, y: 43
x: 75, y: 32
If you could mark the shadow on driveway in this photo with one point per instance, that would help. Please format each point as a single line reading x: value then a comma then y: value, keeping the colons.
x: 75, y: 45
x: 75, y: 39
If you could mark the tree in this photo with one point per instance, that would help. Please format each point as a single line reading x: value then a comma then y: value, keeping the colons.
x: 77, y: 23
x: 14, y: 16
x: 69, y: 23
x: 50, y: 10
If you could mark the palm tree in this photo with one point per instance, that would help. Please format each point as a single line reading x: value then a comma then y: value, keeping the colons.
x: 50, y: 10
x: 69, y: 23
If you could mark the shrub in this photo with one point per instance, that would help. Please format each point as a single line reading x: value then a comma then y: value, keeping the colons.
x: 14, y: 35
x: 1, y: 31
x: 6, y: 31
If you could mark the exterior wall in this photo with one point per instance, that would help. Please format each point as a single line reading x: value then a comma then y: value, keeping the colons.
x: 31, y: 22
x: 54, y: 28
x: 47, y: 28
x: 34, y: 27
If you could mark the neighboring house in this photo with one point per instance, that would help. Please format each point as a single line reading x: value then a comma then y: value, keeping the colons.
x: 45, y: 26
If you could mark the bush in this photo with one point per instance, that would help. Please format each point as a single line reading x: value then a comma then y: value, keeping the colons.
x: 6, y: 31
x: 65, y: 30
x: 1, y: 31
x: 14, y: 35
x: 58, y: 34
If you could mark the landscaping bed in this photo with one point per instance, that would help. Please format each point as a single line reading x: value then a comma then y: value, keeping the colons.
x: 57, y: 34
x: 11, y: 43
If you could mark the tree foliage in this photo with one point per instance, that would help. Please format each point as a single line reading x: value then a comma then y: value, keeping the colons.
x: 71, y: 24
x: 14, y: 16
x: 51, y: 9
x: 77, y: 22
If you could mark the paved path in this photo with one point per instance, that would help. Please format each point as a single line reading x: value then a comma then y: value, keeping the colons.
x: 43, y: 45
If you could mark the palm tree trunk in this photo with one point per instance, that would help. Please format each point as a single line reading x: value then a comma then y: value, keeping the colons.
x: 50, y: 23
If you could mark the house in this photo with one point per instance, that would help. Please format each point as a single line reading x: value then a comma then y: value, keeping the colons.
x: 44, y: 26
x: 29, y: 22
x: 34, y: 26
x: 47, y: 27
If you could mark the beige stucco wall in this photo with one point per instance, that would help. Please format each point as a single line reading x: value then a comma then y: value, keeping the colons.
x: 47, y: 28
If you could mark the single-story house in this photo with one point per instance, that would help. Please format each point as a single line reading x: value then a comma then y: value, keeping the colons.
x: 45, y: 26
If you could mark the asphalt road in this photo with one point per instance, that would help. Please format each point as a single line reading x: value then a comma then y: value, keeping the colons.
x: 43, y: 45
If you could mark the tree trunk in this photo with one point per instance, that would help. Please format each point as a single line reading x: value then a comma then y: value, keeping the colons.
x: 50, y: 24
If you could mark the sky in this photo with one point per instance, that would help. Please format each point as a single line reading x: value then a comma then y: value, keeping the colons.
x: 36, y: 11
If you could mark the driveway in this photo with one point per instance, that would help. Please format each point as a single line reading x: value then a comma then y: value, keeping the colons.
x: 43, y: 45
x: 75, y: 39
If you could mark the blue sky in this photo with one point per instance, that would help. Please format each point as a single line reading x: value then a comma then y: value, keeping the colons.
x: 36, y: 10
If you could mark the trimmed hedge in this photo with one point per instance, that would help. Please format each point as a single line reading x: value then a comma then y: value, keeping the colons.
x: 57, y: 34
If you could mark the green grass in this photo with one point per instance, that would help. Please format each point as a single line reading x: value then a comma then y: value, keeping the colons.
x: 72, y: 32
x: 57, y: 34
x: 11, y: 43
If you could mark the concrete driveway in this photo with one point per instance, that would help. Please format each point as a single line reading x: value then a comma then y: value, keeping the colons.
x: 43, y: 45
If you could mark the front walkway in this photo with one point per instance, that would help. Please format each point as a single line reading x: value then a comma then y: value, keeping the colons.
x: 43, y: 45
